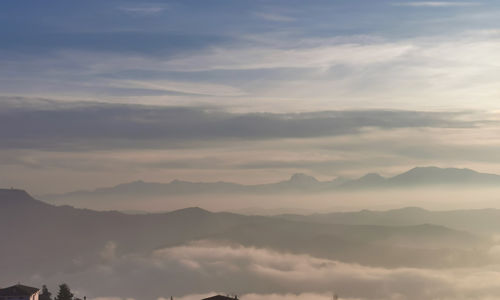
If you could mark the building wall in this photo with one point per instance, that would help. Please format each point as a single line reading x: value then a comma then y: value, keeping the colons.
x: 35, y: 296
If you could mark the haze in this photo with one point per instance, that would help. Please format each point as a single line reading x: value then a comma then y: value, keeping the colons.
x: 274, y: 149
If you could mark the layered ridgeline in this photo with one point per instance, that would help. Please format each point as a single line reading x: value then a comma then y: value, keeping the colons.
x: 419, y: 176
x: 483, y: 221
x: 44, y: 237
x: 299, y: 184
x: 108, y: 251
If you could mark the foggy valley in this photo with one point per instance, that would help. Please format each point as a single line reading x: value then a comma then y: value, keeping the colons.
x: 411, y: 252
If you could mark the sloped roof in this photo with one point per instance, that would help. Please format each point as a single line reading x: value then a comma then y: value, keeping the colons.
x: 18, y: 290
x: 219, y: 297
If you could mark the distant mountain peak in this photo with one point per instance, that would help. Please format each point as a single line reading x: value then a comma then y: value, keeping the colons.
x: 191, y: 212
x: 372, y: 177
x: 437, y: 169
x: 437, y: 175
x: 368, y: 180
x: 131, y: 183
x: 301, y: 178
x: 408, y: 209
x: 193, y: 209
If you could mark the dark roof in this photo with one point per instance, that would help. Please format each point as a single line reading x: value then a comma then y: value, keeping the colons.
x: 219, y: 297
x: 18, y: 290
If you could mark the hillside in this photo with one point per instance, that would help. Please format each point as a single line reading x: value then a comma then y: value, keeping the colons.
x: 484, y: 221
x: 48, y: 238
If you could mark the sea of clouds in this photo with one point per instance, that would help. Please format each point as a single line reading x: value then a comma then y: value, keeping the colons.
x: 204, y: 268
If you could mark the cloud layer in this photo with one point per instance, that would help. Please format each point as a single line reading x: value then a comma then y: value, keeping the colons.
x: 253, y: 273
x: 95, y: 125
x: 437, y: 3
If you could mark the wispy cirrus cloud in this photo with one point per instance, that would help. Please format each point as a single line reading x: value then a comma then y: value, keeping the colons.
x: 274, y: 17
x: 272, y: 73
x: 144, y: 9
x: 322, y: 55
x: 436, y: 4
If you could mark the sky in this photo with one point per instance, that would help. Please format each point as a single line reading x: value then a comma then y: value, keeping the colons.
x: 96, y: 93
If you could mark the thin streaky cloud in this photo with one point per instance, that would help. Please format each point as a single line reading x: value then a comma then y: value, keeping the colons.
x: 100, y: 122
x: 145, y: 9
x: 436, y: 4
x: 274, y: 17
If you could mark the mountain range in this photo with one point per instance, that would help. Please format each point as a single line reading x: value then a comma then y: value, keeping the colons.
x: 41, y: 235
x: 483, y: 221
x: 298, y: 183
x: 41, y: 241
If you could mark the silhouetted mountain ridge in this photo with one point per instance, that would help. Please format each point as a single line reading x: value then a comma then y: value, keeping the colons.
x: 435, y: 175
x: 297, y: 183
x: 16, y: 198
x: 473, y: 220
x: 45, y: 238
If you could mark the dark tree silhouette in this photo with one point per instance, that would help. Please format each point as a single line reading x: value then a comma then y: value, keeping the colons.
x: 64, y: 293
x: 45, y: 294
